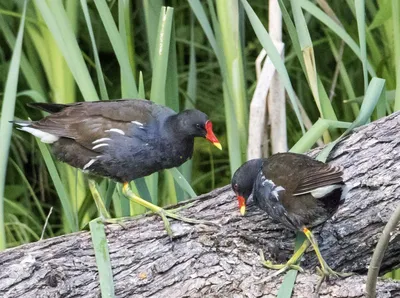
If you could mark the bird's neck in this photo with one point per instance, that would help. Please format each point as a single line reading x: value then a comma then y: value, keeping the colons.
x: 176, y: 138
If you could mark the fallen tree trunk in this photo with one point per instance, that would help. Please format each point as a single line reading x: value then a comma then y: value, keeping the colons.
x: 223, y: 261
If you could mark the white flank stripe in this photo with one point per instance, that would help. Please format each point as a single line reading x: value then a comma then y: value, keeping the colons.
x: 45, y: 137
x: 116, y: 130
x: 101, y: 140
x: 22, y: 124
x: 89, y: 163
x: 276, y: 190
x: 99, y: 145
x: 323, y: 191
x: 137, y: 123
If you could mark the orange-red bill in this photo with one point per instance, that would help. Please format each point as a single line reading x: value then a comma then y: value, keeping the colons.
x: 242, y: 204
x: 211, y: 136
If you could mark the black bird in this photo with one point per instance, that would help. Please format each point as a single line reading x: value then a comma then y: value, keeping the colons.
x: 122, y: 139
x: 295, y: 190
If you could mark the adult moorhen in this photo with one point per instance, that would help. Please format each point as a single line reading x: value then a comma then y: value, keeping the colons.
x: 296, y: 190
x: 122, y: 139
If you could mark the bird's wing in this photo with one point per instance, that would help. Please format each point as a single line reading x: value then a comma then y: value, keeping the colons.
x: 299, y: 175
x: 89, y: 123
x: 319, y: 176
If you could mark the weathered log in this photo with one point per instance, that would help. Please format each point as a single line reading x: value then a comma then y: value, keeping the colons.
x: 223, y: 261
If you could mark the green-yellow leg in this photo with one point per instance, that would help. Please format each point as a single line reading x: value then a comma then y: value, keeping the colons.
x: 325, y: 270
x: 104, y: 215
x: 156, y: 209
x: 290, y: 264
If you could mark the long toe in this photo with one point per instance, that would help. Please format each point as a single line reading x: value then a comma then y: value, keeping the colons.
x: 327, y: 272
x: 280, y: 267
x: 167, y: 225
x: 173, y: 215
x: 112, y: 221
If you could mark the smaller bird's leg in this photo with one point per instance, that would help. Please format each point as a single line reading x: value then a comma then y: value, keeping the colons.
x: 290, y: 264
x: 325, y: 270
x: 126, y: 190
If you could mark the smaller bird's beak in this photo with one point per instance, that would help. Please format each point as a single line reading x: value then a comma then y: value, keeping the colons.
x: 211, y: 136
x: 242, y: 205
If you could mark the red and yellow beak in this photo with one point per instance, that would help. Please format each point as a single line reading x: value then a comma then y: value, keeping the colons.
x: 242, y: 205
x: 211, y: 136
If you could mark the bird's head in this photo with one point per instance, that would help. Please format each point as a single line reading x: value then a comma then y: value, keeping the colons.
x: 196, y: 124
x: 243, y: 181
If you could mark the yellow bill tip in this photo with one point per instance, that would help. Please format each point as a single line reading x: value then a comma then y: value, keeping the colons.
x: 243, y: 210
x: 218, y: 145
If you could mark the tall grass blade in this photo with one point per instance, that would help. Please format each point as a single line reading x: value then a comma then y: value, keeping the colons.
x: 141, y: 92
x: 345, y: 78
x: 336, y: 28
x: 360, y: 14
x: 315, y: 132
x: 59, y: 25
x: 191, y: 90
x: 151, y: 9
x: 7, y: 113
x: 126, y: 28
x: 230, y: 40
x: 321, y: 99
x: 31, y: 77
x: 125, y: 31
x: 182, y: 182
x: 396, y: 40
x: 103, y: 261
x: 129, y: 89
x: 99, y: 72
x: 72, y: 225
x: 159, y: 79
x: 161, y: 56
x: 235, y: 156
x: 286, y: 288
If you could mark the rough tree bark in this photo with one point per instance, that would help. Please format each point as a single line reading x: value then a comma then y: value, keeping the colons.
x: 210, y: 261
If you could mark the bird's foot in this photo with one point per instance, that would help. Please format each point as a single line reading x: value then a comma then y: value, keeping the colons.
x: 160, y: 211
x: 327, y: 272
x: 280, y: 267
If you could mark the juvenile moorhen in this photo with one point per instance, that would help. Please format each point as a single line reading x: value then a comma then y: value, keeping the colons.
x: 295, y: 190
x: 122, y: 139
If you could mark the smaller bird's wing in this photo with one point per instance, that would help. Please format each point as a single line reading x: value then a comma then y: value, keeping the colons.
x: 320, y: 175
x: 300, y: 174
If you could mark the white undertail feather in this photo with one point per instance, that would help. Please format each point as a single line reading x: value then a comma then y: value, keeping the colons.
x: 323, y: 191
x: 45, y: 137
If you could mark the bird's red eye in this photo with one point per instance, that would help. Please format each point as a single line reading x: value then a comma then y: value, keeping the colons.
x: 235, y: 187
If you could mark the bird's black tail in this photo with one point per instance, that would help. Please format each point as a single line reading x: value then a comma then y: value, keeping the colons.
x: 48, y: 107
